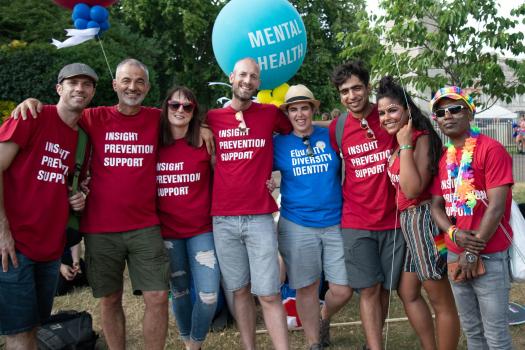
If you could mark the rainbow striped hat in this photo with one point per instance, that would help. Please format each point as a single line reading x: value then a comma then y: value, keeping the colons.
x: 454, y: 93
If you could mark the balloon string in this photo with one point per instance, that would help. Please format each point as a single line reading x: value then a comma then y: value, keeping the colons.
x: 402, y: 85
x: 105, y: 57
x: 397, y: 212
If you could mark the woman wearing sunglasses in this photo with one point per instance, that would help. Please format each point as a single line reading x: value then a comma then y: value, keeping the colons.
x: 411, y: 168
x: 184, y: 199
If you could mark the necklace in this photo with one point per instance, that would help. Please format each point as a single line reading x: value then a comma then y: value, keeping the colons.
x: 462, y: 175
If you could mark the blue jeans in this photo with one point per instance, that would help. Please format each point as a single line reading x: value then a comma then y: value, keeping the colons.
x: 26, y: 294
x: 194, y: 257
x: 483, y: 304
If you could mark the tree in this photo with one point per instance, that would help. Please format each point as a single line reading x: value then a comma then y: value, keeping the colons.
x: 173, y: 37
x: 323, y: 20
x: 442, y: 42
x: 184, y: 28
x: 30, y: 64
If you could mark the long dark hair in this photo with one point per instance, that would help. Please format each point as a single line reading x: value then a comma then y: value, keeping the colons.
x: 193, y: 135
x: 390, y: 89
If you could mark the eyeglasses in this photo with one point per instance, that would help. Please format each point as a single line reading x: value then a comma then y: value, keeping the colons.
x: 369, y: 132
x: 454, y: 109
x: 186, y: 107
x: 240, y: 118
x: 309, y: 149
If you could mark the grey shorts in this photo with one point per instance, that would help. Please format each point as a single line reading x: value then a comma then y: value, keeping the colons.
x: 309, y: 251
x: 144, y: 252
x: 373, y: 257
x: 246, y: 247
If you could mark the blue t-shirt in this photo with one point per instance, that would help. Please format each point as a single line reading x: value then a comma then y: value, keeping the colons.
x: 310, y: 185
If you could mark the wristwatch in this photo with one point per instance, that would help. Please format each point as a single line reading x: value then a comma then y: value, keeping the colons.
x: 471, y: 258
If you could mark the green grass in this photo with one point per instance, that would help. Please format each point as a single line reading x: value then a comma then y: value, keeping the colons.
x: 518, y: 192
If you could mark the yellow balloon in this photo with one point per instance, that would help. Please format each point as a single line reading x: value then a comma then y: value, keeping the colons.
x: 280, y: 91
x: 264, y: 96
x: 277, y: 102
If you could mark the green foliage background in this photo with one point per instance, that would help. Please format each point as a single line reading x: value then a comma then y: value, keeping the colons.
x: 31, y: 69
x: 172, y: 37
x: 443, y: 42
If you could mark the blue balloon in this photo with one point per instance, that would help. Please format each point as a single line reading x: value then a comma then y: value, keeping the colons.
x: 270, y: 31
x: 81, y: 23
x: 104, y: 26
x: 93, y: 24
x: 99, y: 14
x: 81, y: 10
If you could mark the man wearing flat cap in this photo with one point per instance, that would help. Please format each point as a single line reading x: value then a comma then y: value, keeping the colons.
x: 471, y: 200
x: 310, y: 239
x: 36, y: 158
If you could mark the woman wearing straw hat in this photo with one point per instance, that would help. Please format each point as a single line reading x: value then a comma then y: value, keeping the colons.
x: 309, y: 232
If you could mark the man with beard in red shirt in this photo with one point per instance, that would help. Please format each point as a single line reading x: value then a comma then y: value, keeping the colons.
x: 242, y: 207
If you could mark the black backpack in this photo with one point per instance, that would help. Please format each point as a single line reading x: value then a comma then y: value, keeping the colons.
x: 67, y: 330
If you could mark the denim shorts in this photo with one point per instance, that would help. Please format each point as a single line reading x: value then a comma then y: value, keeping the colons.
x: 26, y: 294
x: 246, y: 247
x: 374, y: 257
x: 308, y: 251
x: 144, y: 252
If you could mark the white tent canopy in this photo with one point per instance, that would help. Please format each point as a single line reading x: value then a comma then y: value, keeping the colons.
x: 496, y: 112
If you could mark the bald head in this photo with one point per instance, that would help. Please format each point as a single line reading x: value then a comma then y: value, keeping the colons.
x: 247, y: 62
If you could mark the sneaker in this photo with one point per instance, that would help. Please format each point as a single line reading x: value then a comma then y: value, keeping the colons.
x: 316, y: 346
x: 324, y: 332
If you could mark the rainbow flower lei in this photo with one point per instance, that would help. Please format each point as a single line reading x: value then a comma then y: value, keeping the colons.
x: 462, y: 174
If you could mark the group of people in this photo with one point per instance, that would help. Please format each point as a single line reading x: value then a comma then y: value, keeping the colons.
x: 183, y: 199
x: 334, y: 114
x: 518, y: 133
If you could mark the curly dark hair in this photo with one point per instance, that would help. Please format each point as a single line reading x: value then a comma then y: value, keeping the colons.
x: 344, y: 71
x: 389, y: 88
x: 193, y: 134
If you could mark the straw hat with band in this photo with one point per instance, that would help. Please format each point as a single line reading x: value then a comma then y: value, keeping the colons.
x: 454, y: 93
x: 299, y: 93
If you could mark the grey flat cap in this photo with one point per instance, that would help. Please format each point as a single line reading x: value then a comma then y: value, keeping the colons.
x: 74, y: 69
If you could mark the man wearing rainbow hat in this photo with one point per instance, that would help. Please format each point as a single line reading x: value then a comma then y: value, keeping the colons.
x: 471, y: 199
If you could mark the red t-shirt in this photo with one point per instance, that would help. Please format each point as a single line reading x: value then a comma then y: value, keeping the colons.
x: 122, y: 188
x: 393, y: 173
x: 492, y: 167
x: 368, y: 197
x: 244, y: 159
x: 35, y: 185
x: 184, y: 190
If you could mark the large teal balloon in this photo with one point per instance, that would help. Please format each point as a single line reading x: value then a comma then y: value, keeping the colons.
x: 270, y: 31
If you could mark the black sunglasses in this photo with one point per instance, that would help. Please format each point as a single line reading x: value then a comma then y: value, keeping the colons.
x: 454, y: 109
x: 175, y: 105
x: 309, y: 149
